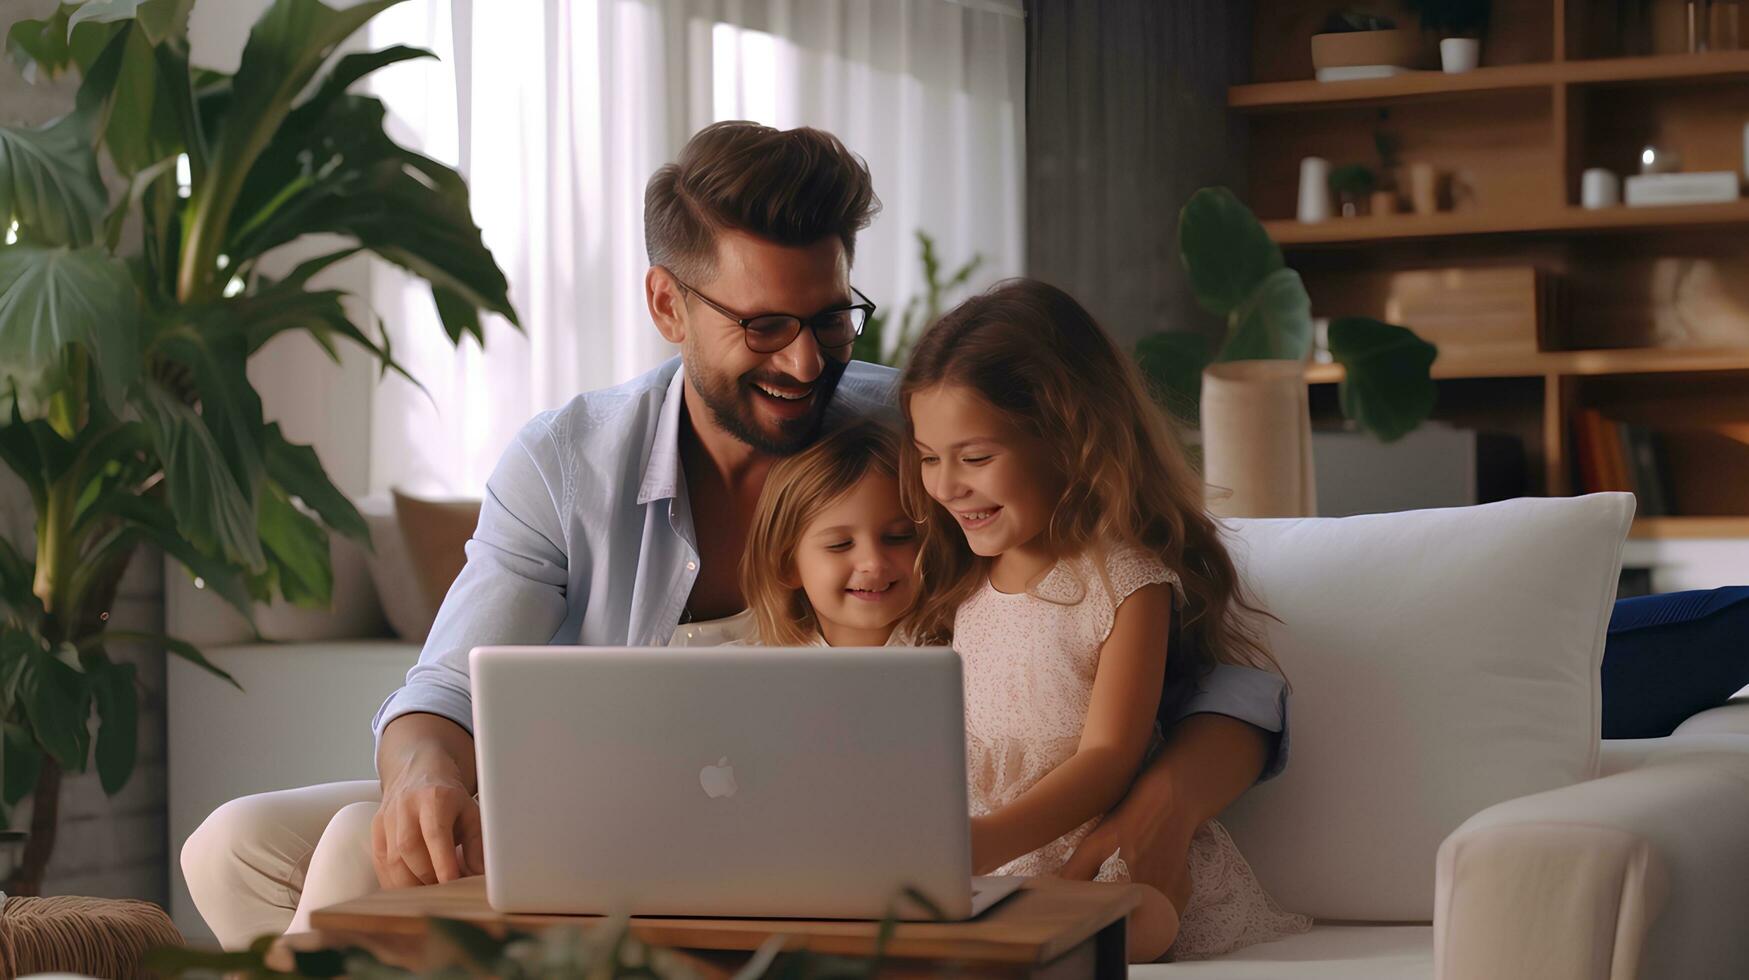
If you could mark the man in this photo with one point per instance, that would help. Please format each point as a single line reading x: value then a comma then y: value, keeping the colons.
x: 620, y: 519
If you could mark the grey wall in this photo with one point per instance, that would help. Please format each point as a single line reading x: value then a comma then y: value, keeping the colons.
x: 1126, y: 117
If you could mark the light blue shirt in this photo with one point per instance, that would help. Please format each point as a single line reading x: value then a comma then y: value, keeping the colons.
x: 586, y: 538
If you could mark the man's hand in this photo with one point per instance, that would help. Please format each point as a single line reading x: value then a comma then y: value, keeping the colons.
x: 1206, y: 762
x: 415, y: 833
x: 1149, y: 833
x: 428, y: 811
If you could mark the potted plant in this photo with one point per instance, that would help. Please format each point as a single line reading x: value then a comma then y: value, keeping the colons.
x: 125, y: 406
x: 1355, y: 44
x: 1352, y: 185
x: 1460, y: 24
x: 1249, y: 392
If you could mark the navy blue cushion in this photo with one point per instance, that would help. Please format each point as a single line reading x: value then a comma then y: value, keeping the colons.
x: 1672, y: 655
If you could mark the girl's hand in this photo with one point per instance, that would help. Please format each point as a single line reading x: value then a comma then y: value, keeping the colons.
x: 985, y: 855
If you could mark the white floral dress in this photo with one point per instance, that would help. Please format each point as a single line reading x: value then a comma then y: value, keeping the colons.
x: 1029, y: 666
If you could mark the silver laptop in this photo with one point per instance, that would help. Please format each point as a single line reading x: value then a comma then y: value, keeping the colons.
x: 725, y: 781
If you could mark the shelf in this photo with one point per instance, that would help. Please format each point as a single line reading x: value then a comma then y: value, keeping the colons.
x: 1640, y: 360
x: 1279, y: 96
x: 1664, y: 528
x: 1562, y: 221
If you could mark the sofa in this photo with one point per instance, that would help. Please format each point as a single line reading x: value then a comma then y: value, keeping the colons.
x: 1449, y: 809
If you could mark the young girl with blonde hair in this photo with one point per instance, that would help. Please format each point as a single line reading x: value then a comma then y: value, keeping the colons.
x: 832, y: 558
x: 1072, y: 537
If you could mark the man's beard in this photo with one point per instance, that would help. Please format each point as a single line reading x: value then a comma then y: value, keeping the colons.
x: 731, y: 404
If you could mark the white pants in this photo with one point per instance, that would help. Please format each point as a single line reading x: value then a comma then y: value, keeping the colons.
x: 259, y: 865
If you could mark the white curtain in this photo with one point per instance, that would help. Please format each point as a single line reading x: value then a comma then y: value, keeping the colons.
x: 558, y: 111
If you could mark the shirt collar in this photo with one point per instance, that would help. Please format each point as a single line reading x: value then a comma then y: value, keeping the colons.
x: 662, y: 471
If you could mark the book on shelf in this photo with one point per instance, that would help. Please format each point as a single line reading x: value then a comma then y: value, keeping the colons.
x: 1617, y: 456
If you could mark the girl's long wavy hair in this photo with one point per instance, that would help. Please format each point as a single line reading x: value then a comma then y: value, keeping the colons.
x: 796, y: 490
x: 1038, y: 357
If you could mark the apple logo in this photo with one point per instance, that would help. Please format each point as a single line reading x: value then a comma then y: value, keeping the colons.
x: 718, y: 780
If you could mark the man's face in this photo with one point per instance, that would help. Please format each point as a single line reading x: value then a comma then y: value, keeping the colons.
x: 772, y: 402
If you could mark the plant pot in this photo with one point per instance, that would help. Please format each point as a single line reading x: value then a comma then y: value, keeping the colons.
x: 1257, y: 440
x: 1460, y: 54
x: 1398, y: 47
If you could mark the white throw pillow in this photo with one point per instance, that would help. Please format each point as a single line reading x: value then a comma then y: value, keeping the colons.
x: 409, y: 614
x: 1441, y: 661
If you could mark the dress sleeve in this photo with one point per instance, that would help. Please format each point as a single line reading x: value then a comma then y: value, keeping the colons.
x: 1128, y: 569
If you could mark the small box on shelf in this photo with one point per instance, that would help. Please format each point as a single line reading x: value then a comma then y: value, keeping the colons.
x: 1652, y: 190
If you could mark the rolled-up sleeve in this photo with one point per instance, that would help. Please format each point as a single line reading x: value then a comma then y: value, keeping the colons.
x: 512, y: 590
x: 1258, y: 697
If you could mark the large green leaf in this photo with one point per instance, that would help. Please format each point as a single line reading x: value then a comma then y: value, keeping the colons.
x: 285, y: 49
x: 151, y: 521
x: 17, y: 574
x: 126, y: 99
x: 118, y: 718
x: 297, y: 551
x: 1388, y: 386
x: 212, y: 511
x: 408, y: 208
x: 57, y: 703
x: 169, y: 644
x: 286, y: 306
x: 52, y: 297
x: 39, y: 47
x: 1173, y: 362
x: 1274, y: 321
x: 353, y: 67
x: 1224, y: 248
x: 297, y: 468
x: 229, y: 405
x: 157, y: 19
x: 23, y: 761
x: 49, y: 182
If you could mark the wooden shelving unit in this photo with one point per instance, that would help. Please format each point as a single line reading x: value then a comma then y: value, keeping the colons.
x: 1558, y: 221
x: 1662, y: 528
x: 1428, y: 84
x: 1571, y: 363
x: 1651, y: 326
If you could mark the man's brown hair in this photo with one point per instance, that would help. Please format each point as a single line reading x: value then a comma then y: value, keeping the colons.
x: 793, y: 187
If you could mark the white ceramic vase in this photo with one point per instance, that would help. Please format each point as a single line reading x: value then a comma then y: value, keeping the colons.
x: 1257, y: 440
x: 1460, y: 54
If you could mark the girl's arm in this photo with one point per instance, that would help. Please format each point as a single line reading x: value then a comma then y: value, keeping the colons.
x: 1114, y: 740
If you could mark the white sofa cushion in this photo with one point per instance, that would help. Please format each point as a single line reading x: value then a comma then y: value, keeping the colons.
x: 1325, y: 953
x: 1442, y: 661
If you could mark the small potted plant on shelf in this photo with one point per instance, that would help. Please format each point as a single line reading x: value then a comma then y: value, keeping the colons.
x: 1352, y: 186
x: 1356, y: 44
x: 1460, y: 25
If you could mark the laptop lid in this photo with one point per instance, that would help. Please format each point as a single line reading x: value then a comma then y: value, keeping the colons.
x: 730, y: 781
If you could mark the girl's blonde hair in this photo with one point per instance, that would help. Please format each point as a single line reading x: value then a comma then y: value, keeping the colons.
x: 796, y: 490
x: 1040, y: 360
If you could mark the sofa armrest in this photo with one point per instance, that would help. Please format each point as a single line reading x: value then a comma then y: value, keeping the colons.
x: 1636, y: 875
x: 1730, y: 718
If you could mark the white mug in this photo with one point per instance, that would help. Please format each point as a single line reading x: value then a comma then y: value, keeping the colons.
x: 1314, y: 190
x: 1459, y: 54
x: 1599, y: 188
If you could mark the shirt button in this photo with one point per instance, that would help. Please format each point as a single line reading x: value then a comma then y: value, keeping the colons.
x: 692, y: 566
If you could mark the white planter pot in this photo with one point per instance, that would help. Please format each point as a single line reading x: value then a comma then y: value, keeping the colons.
x: 1257, y: 440
x: 1460, y: 54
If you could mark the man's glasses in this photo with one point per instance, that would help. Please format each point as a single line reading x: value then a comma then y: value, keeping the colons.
x: 769, y: 333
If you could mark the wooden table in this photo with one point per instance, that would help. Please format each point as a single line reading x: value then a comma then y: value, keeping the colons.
x: 1050, y: 928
